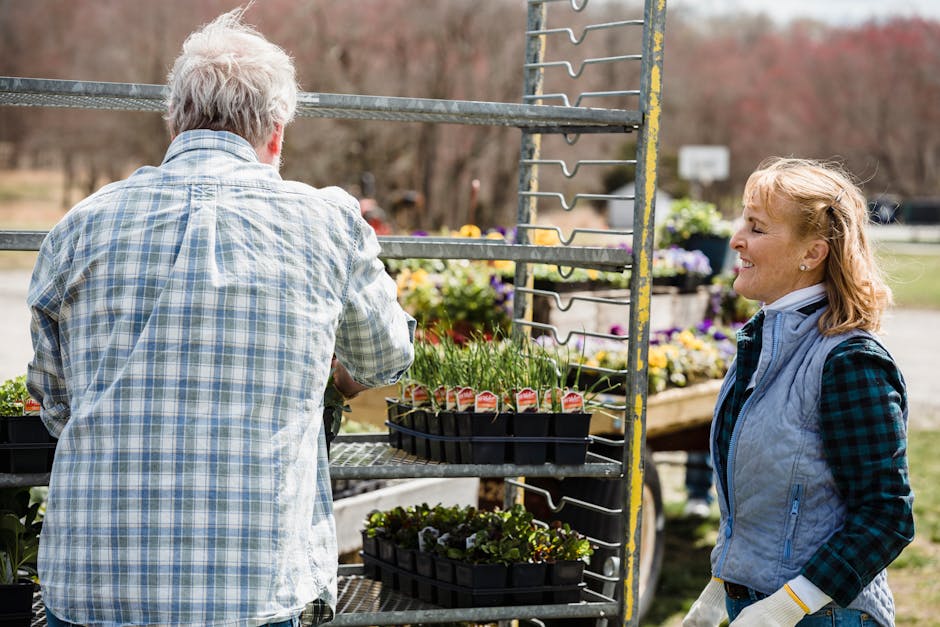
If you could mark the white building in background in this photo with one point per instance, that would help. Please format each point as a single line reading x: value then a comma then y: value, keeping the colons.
x: 620, y: 212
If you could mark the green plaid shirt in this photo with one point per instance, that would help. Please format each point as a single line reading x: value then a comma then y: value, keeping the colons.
x: 863, y: 409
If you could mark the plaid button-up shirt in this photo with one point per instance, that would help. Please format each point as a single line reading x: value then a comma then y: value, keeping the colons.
x: 183, y: 325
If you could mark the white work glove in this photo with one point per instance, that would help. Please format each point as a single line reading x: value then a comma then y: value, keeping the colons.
x: 785, y: 607
x: 780, y: 609
x: 709, y: 609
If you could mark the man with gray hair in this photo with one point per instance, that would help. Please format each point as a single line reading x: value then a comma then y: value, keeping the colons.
x: 184, y: 325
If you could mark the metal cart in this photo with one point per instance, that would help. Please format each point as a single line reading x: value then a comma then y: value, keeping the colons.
x: 552, y: 108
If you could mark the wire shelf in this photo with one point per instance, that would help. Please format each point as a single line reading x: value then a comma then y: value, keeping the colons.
x: 26, y: 92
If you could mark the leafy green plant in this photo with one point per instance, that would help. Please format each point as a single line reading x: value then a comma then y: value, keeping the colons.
x: 19, y: 535
x: 689, y: 217
x: 12, y: 394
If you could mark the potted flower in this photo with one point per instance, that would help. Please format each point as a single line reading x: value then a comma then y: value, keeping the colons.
x: 697, y: 225
x: 22, y: 432
x: 19, y: 548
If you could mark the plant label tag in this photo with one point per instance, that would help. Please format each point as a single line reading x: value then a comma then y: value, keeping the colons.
x: 486, y: 402
x: 31, y: 407
x: 451, y: 403
x: 440, y: 395
x: 527, y: 399
x: 419, y: 396
x: 465, y: 399
x: 551, y: 398
x: 572, y: 403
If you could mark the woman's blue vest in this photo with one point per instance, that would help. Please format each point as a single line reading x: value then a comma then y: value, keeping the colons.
x: 782, y: 502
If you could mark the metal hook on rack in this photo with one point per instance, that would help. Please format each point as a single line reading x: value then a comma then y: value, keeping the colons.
x: 574, y: 200
x: 591, y: 27
x: 577, y: 166
x: 564, y: 500
x: 576, y: 231
x: 556, y: 297
x: 554, y: 331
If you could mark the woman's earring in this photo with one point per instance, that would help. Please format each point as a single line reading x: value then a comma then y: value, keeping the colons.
x: 803, y: 267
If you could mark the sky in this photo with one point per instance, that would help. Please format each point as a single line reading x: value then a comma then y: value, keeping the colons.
x: 836, y: 12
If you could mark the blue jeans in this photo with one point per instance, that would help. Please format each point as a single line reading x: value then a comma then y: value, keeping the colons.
x: 53, y: 621
x: 828, y: 616
x: 699, y: 476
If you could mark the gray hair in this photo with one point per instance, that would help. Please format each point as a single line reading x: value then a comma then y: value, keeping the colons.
x: 228, y: 77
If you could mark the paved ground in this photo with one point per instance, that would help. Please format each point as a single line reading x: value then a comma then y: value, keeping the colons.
x: 913, y: 337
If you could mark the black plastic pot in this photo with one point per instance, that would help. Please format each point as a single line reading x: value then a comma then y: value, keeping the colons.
x: 525, y: 575
x: 435, y: 446
x: 422, y: 445
x: 424, y: 564
x: 570, y: 453
x: 565, y: 573
x: 393, y: 410
x: 16, y: 604
x: 386, y: 550
x: 529, y: 425
x: 570, y: 425
x: 451, y: 449
x: 481, y: 576
x: 474, y: 425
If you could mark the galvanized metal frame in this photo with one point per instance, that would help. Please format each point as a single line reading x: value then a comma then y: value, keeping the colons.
x: 367, y: 456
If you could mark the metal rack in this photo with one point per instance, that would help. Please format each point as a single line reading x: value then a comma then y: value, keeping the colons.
x: 546, y: 80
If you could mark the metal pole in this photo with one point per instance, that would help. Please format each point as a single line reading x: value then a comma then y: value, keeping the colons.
x: 530, y: 147
x: 641, y: 285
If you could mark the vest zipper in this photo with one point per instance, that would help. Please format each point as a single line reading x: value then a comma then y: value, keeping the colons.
x: 729, y: 496
x: 796, y: 496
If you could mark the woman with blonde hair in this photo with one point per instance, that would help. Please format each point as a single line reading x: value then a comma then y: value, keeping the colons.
x: 809, y: 437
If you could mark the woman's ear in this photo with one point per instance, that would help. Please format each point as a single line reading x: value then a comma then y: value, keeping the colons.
x: 815, y: 254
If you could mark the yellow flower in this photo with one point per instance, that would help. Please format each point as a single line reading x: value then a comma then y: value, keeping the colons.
x: 657, y: 357
x: 502, y: 264
x: 546, y: 238
x: 494, y: 235
x: 470, y: 230
x: 593, y: 274
x: 420, y: 277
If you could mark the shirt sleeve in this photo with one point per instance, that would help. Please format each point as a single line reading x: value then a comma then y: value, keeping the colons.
x: 863, y: 422
x: 375, y: 337
x: 45, y: 376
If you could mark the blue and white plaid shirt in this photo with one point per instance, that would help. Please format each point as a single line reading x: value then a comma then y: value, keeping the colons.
x: 183, y: 324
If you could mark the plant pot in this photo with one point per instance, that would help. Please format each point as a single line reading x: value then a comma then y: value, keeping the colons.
x: 26, y: 458
x: 16, y: 604
x: 408, y: 422
x: 370, y: 546
x: 427, y: 590
x: 481, y: 576
x: 422, y: 444
x: 527, y: 575
x: 570, y: 453
x: 386, y: 550
x: 444, y: 569
x: 424, y: 564
x: 472, y: 425
x: 435, y: 447
x: 25, y: 430
x: 715, y: 247
x: 393, y: 411
x: 451, y: 450
x: 565, y: 573
x: 405, y: 558
x: 529, y: 425
x: 565, y: 579
x: 570, y: 425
